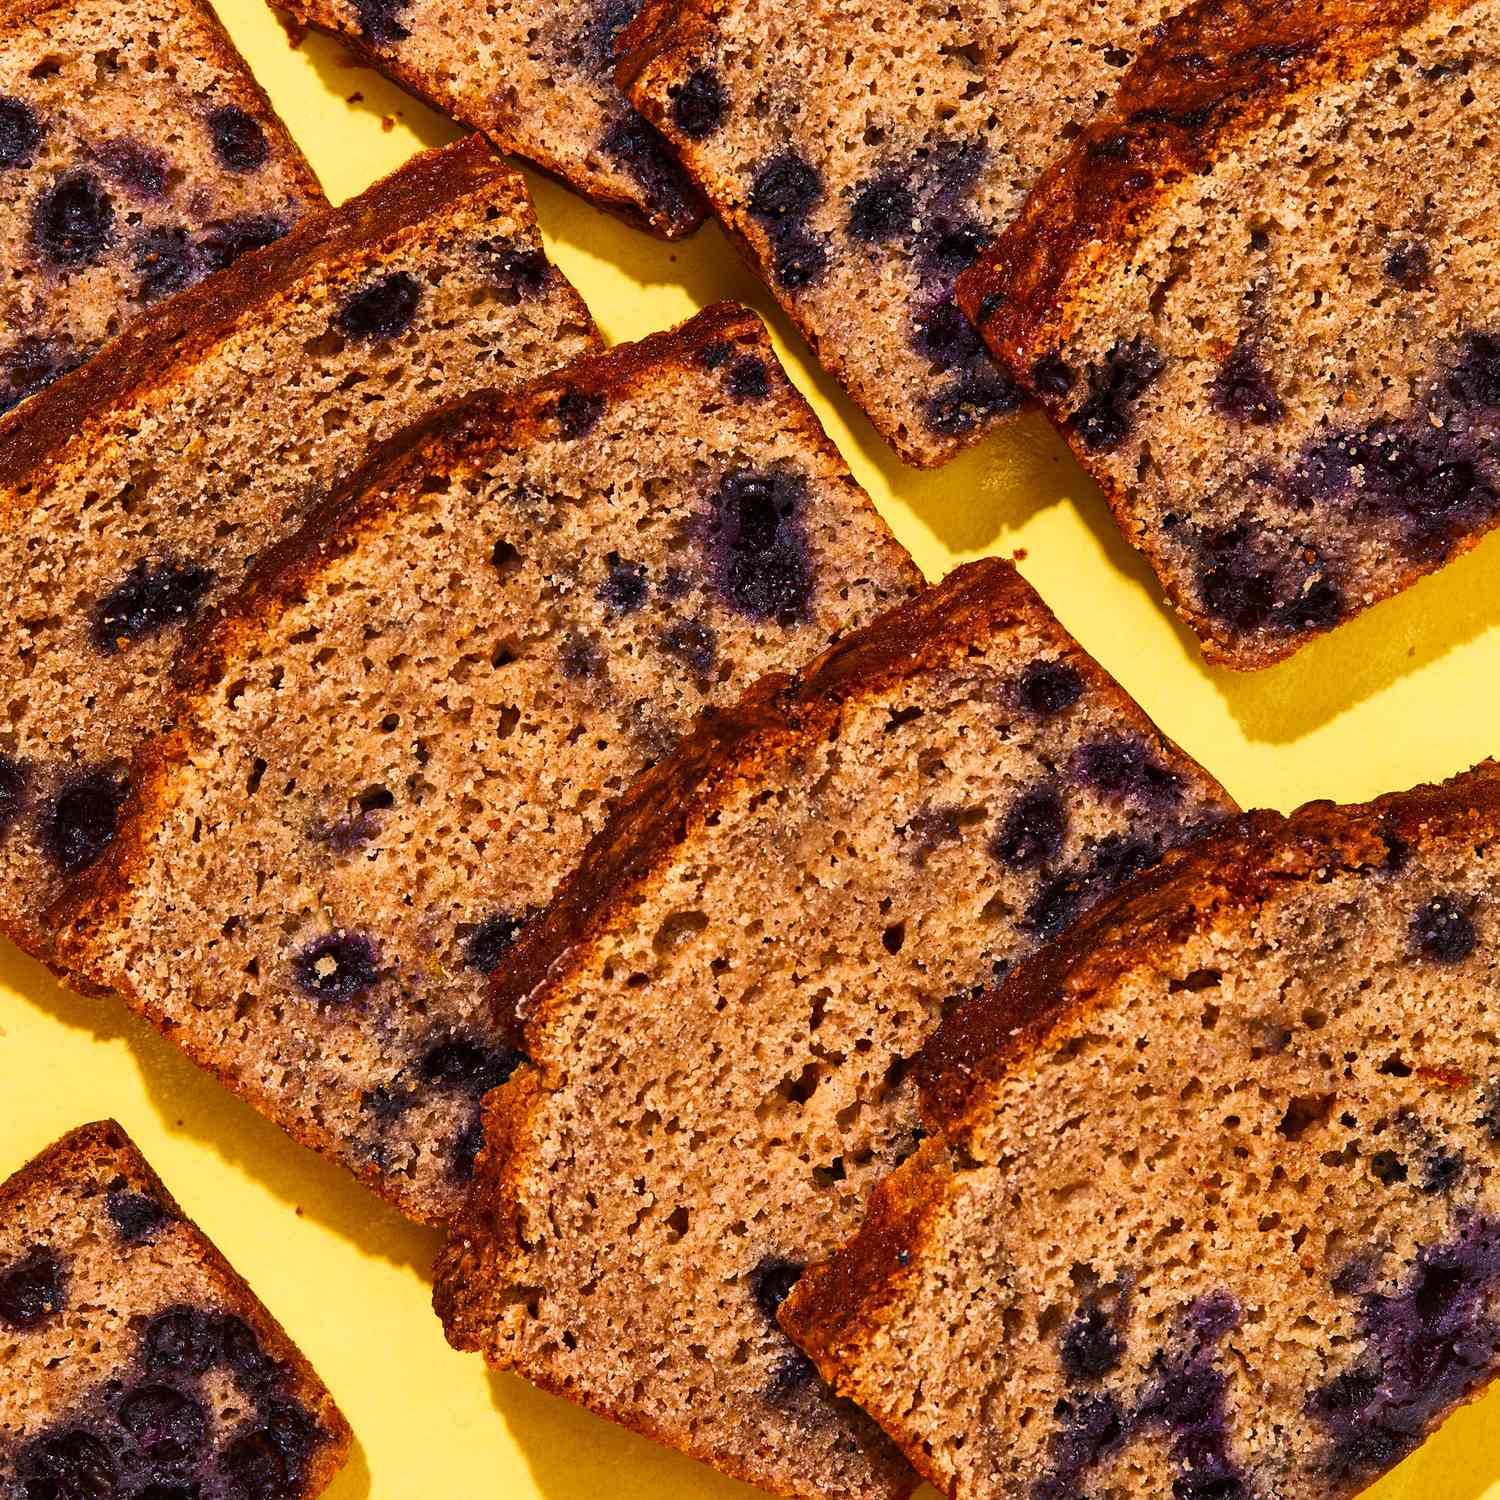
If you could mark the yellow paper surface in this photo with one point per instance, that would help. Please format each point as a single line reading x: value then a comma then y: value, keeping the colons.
x: 1404, y: 694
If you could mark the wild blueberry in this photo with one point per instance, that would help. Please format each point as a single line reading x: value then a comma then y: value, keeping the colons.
x: 239, y: 142
x: 165, y: 261
x: 382, y: 310
x: 971, y: 400
x: 792, y: 1373
x: 79, y: 824
x: 693, y: 643
x: 943, y: 335
x: 141, y: 170
x: 1441, y: 1172
x: 698, y: 106
x: 180, y: 1339
x: 488, y: 942
x: 167, y: 1426
x: 378, y: 20
x: 1116, y: 383
x: 467, y: 1067
x: 603, y: 22
x: 1047, y: 688
x: 642, y: 152
x: 578, y: 412
x: 1050, y: 376
x: 1476, y: 375
x: 1091, y: 1345
x: 1120, y: 768
x: 785, y: 189
x: 32, y: 364
x: 137, y: 1216
x: 1408, y: 264
x: 763, y: 565
x: 771, y: 1282
x: 257, y: 1468
x: 749, y: 379
x: 520, y: 270
x: 149, y: 598
x: 466, y: 1148
x: 32, y: 1290
x: 951, y: 246
x: 1441, y: 930
x: 625, y: 588
x: 20, y: 132
x: 336, y: 968
x: 12, y: 791
x: 580, y: 658
x: 716, y: 355
x: 1033, y: 831
x: 72, y: 1465
x: 798, y: 259
x: 225, y: 240
x: 388, y: 1102
x: 1118, y: 858
x: 882, y: 210
x: 1242, y: 391
x: 1255, y: 580
x: 74, y: 220
x: 1057, y: 904
x: 241, y: 1350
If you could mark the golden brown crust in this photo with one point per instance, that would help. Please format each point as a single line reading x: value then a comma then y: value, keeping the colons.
x: 104, y: 1143
x: 180, y: 329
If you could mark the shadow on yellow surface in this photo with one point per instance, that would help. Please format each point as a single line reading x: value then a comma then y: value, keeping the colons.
x: 353, y: 1482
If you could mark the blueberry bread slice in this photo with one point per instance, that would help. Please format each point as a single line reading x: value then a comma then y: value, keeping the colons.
x: 137, y: 156
x: 1208, y: 1205
x: 137, y: 1363
x: 863, y: 161
x: 1277, y: 355
x: 537, y: 78
x: 136, y: 492
x: 721, y: 1004
x: 403, y: 734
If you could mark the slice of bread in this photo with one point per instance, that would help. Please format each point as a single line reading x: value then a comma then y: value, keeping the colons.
x: 1208, y: 1208
x: 721, y: 1005
x: 136, y: 1362
x: 537, y: 80
x: 136, y: 491
x: 405, y: 731
x: 137, y: 155
x: 863, y: 157
x: 1260, y: 297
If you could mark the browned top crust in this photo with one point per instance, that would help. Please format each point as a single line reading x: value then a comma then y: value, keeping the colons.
x: 1237, y: 868
x: 181, y: 328
x: 659, y: 812
x: 1210, y: 74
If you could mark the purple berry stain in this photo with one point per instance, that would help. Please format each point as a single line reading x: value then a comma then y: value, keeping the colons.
x: 337, y: 968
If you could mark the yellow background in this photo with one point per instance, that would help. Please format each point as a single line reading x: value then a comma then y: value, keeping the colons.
x: 1404, y: 694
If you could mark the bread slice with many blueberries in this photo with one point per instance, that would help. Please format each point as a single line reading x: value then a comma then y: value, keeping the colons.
x: 721, y: 1006
x: 1260, y: 297
x: 1209, y: 1203
x: 137, y: 156
x: 136, y: 492
x: 136, y: 1361
x: 537, y: 78
x: 404, y: 731
x: 864, y: 157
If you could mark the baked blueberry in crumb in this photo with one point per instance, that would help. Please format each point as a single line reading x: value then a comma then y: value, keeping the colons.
x: 1476, y: 375
x: 168, y: 1426
x: 1048, y: 688
x: 1121, y: 768
x: 1441, y: 1172
x: 693, y: 643
x: 580, y: 658
x: 166, y: 261
x: 31, y: 365
x: 1091, y: 1345
x: 223, y: 242
x: 950, y: 246
x: 973, y: 399
x: 698, y: 106
x: 1408, y: 265
x: 137, y: 167
x: 80, y: 821
x: 1033, y: 831
x: 240, y: 1349
x: 1254, y: 579
x: 149, y: 598
x: 785, y: 190
x: 31, y: 1290
x: 798, y: 259
x: 337, y: 967
x: 578, y: 413
x: 239, y: 142
x: 637, y: 147
x: 625, y: 587
x: 763, y: 565
x: 490, y: 941
x: 382, y: 310
x: 20, y: 132
x: 771, y: 1283
x: 1050, y: 376
x: 72, y: 1465
x: 792, y: 1373
x: 1242, y: 391
x: 519, y: 269
x: 180, y: 1339
x: 466, y: 1149
x: 749, y: 379
x: 137, y: 1216
x: 1116, y: 383
x: 1441, y: 930
x: 379, y: 20
x: 12, y: 791
x: 882, y: 210
x: 459, y: 1064
x: 74, y: 220
x: 942, y: 334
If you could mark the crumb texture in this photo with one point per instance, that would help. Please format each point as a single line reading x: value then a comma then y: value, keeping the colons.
x: 137, y: 1363
x: 536, y: 78
x: 1270, y: 348
x: 421, y: 714
x: 137, y: 156
x: 723, y: 1004
x: 865, y: 159
x: 1218, y: 1218
x: 133, y: 510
